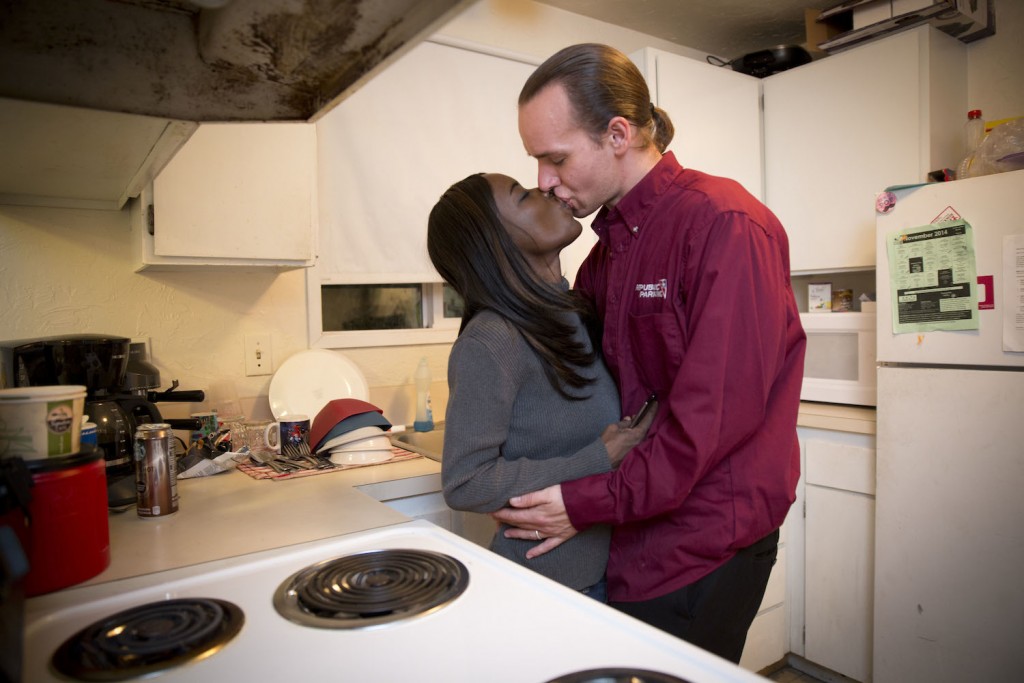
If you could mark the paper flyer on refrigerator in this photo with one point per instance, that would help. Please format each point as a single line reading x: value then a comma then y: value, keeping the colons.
x: 932, y: 278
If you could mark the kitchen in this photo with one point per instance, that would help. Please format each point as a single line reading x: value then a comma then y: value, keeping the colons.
x: 73, y: 269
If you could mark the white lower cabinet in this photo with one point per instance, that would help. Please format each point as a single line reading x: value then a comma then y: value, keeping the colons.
x: 767, y: 639
x: 838, y: 581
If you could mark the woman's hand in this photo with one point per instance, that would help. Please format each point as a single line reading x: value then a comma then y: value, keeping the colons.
x: 620, y: 438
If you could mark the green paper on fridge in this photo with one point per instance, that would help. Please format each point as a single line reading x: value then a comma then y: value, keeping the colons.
x: 933, y: 278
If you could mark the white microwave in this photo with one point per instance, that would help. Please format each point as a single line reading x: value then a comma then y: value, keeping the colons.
x: 839, y: 366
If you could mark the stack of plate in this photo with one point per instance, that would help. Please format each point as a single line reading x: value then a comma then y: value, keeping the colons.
x: 363, y: 446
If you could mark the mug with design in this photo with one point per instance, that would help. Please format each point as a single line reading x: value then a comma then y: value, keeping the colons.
x: 290, y: 435
x: 207, y: 425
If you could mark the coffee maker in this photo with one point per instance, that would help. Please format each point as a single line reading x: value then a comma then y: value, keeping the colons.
x: 119, y: 379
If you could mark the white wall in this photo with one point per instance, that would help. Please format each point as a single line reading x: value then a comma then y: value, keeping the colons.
x: 995, y: 65
x: 66, y: 271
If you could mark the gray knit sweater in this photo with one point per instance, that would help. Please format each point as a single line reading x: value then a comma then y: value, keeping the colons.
x: 508, y: 432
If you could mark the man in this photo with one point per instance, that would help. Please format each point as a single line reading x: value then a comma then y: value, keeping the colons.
x: 690, y: 278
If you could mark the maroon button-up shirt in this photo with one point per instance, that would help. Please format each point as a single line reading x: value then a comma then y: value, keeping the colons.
x: 690, y: 277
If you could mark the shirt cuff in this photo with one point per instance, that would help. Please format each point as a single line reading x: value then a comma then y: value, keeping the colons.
x: 587, y: 501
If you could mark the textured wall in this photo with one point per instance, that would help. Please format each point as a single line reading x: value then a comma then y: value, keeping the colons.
x: 66, y: 271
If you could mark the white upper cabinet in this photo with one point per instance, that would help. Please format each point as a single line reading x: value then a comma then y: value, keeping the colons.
x: 716, y: 113
x: 235, y: 194
x: 389, y: 151
x: 839, y: 130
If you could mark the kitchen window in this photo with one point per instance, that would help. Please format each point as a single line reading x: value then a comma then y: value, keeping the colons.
x: 386, y: 314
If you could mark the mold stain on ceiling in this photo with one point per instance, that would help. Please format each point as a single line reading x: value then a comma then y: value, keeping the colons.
x: 244, y: 60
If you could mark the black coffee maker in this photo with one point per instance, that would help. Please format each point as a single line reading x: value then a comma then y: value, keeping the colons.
x: 118, y: 379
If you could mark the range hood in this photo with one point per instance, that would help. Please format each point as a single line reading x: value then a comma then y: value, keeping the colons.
x: 97, y: 95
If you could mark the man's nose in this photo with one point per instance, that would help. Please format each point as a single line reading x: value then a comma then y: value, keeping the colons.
x: 546, y: 180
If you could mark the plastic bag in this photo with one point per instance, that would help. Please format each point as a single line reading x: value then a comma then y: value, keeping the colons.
x: 1001, y: 150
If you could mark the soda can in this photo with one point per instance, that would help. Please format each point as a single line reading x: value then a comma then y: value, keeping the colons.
x: 156, y: 472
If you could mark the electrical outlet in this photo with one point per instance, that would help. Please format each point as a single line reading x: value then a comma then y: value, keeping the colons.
x: 258, y: 357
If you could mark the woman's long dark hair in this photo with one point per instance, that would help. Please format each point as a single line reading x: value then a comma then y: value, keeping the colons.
x: 472, y: 251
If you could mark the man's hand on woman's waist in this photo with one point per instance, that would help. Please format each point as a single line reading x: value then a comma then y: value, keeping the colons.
x: 538, y: 516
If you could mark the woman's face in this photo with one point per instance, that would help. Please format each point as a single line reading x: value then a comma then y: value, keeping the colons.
x: 539, y: 224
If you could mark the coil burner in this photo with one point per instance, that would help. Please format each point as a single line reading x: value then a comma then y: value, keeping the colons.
x: 371, y: 589
x: 149, y: 638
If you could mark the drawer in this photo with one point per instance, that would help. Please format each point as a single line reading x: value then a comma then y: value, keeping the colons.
x: 845, y: 466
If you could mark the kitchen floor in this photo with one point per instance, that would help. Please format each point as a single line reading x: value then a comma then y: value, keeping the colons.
x: 808, y: 672
x: 788, y: 674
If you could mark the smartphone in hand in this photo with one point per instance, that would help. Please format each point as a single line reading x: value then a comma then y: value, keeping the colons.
x: 640, y: 414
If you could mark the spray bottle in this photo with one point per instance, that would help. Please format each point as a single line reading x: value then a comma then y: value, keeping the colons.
x: 424, y: 415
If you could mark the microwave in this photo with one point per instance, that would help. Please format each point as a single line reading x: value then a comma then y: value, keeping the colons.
x: 839, y: 365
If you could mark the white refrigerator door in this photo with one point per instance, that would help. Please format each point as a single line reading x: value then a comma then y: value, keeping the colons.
x: 992, y: 205
x: 949, y: 534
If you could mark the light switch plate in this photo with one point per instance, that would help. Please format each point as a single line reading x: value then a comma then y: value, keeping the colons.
x: 259, y: 359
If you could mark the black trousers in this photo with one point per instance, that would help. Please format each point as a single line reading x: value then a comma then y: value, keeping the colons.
x: 715, y: 612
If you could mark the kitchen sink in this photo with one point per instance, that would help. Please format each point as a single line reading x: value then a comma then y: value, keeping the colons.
x: 428, y: 444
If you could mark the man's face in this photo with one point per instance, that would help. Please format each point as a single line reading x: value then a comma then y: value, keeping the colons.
x: 579, y: 171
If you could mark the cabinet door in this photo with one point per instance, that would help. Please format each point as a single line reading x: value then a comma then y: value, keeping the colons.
x: 239, y: 192
x: 839, y: 130
x: 388, y: 152
x: 839, y: 553
x: 716, y: 113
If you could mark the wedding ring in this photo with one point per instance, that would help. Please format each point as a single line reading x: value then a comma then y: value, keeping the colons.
x: 537, y: 533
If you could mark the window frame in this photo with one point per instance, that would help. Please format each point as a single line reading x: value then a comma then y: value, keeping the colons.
x: 436, y: 330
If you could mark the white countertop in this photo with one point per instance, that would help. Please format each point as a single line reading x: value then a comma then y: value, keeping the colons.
x: 232, y: 514
x: 840, y: 418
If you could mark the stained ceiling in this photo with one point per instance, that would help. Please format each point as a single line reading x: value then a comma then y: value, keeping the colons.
x: 216, y: 60
x: 97, y: 95
x: 205, y: 60
x: 724, y: 28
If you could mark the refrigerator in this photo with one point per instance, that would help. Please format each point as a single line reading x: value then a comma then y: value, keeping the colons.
x: 949, y: 535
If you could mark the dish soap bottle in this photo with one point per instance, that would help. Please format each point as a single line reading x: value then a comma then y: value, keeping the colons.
x: 424, y: 415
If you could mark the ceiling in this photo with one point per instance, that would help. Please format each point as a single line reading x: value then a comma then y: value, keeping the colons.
x: 97, y: 95
x: 725, y: 28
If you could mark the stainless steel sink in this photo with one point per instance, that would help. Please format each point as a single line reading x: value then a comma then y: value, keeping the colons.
x: 428, y: 444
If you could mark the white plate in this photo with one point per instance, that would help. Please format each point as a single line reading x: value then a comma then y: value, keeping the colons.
x: 307, y: 381
x: 361, y: 457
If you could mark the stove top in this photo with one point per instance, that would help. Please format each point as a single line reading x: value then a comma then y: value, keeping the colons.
x: 475, y: 617
x: 371, y: 589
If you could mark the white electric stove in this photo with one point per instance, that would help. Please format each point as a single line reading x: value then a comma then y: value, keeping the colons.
x: 476, y: 617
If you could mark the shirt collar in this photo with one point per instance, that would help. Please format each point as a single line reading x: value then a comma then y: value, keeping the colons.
x: 633, y: 208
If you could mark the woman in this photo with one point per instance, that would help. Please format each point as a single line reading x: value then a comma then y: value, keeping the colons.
x: 530, y: 403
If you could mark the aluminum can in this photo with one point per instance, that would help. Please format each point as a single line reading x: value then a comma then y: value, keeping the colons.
x: 156, y: 471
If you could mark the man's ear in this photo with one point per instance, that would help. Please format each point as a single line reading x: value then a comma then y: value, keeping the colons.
x: 620, y: 134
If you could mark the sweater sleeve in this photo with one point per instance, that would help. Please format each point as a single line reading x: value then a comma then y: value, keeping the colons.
x: 485, y: 373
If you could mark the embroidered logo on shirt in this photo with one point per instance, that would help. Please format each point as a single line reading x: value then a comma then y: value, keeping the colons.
x: 655, y: 290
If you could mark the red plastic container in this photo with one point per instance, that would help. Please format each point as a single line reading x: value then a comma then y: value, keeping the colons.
x: 68, y: 535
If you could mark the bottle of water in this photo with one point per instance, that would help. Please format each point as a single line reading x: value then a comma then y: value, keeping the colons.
x: 974, y: 131
x: 424, y: 415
